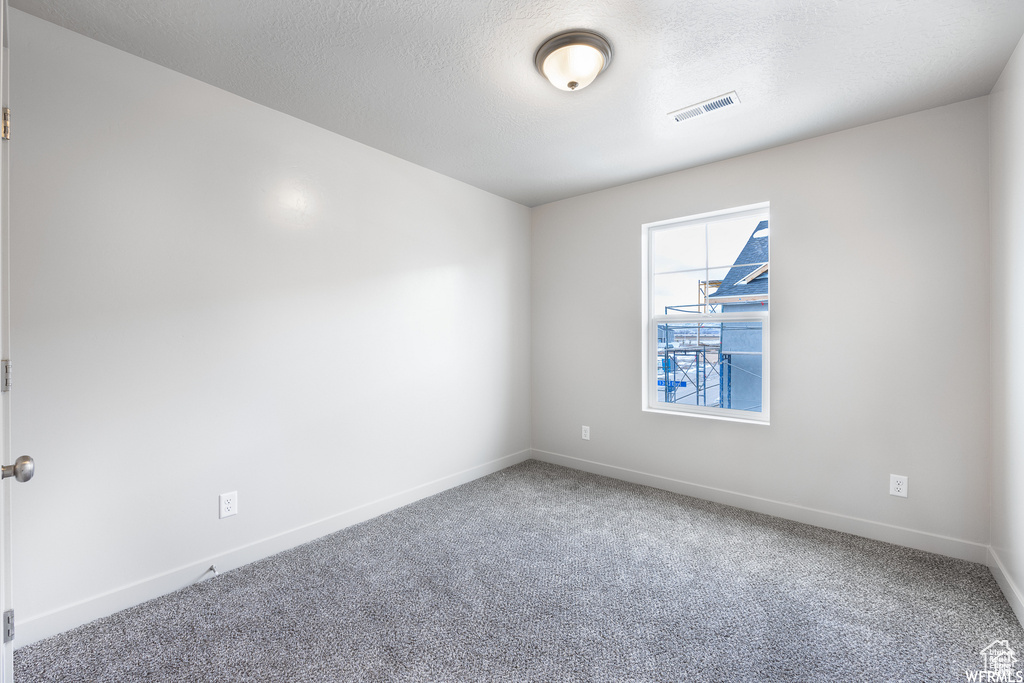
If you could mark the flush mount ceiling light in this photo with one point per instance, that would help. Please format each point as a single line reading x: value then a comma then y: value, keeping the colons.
x: 572, y: 60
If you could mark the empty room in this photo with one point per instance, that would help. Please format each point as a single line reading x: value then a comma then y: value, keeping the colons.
x: 512, y: 341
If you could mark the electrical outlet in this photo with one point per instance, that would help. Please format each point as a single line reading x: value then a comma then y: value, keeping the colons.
x: 228, y: 504
x: 898, y: 485
x: 586, y: 433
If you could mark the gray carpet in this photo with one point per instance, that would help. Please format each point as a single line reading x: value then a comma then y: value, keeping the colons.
x: 541, y: 573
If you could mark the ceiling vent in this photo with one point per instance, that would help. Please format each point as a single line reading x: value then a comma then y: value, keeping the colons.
x: 714, y: 104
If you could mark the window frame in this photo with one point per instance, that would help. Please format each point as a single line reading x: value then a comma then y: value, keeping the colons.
x: 651, y: 320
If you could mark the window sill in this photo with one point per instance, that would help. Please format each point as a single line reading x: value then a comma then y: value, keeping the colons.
x: 707, y: 416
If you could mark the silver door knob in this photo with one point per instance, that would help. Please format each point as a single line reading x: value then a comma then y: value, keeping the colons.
x: 22, y: 469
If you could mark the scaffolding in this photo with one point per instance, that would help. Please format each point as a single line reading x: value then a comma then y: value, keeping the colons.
x: 697, y: 369
x: 693, y: 368
x: 705, y: 375
x: 705, y: 288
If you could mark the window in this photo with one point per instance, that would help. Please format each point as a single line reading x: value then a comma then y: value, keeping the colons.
x: 706, y: 304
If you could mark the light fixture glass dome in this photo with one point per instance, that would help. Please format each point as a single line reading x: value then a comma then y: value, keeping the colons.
x: 572, y: 60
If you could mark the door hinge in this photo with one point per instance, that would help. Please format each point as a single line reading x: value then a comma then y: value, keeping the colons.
x: 5, y: 375
x: 7, y: 123
x: 8, y: 626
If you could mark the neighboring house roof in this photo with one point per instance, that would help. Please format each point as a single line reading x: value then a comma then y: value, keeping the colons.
x: 755, y: 251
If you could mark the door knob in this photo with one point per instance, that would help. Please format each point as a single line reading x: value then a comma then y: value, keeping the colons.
x: 22, y: 469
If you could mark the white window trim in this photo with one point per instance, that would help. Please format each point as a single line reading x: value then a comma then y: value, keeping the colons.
x: 649, y: 385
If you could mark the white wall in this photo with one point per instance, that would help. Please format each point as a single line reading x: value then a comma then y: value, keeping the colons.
x: 1007, y: 181
x: 211, y: 296
x: 880, y: 333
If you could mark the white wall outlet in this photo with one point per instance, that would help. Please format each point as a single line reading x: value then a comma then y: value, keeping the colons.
x: 898, y: 485
x: 586, y: 433
x: 228, y: 504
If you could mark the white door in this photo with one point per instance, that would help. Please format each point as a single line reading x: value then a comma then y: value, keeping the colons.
x: 7, y: 671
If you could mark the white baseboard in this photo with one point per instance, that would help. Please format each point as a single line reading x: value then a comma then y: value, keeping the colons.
x: 57, y: 621
x: 910, y: 538
x: 1013, y: 593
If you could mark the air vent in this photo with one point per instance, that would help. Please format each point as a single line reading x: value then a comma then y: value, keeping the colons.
x: 714, y: 104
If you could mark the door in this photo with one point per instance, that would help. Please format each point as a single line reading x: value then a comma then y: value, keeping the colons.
x: 6, y: 597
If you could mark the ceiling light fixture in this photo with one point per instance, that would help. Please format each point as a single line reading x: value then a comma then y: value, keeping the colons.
x: 572, y: 60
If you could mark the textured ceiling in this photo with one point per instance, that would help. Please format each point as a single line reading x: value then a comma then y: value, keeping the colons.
x: 451, y: 85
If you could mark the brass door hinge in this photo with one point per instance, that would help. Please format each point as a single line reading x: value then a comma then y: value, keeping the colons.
x: 7, y: 124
